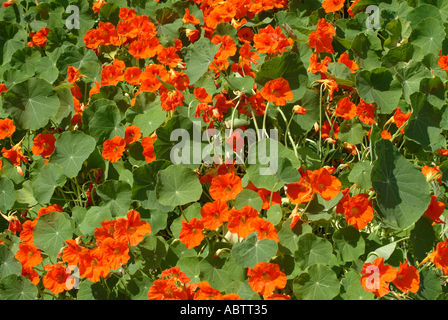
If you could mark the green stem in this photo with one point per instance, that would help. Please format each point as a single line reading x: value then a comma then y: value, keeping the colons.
x: 288, y: 133
x: 264, y: 119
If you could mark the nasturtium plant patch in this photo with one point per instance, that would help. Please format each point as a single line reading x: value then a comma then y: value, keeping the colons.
x: 223, y: 150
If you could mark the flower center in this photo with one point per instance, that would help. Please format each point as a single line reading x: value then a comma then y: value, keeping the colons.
x: 265, y: 276
x: 94, y: 262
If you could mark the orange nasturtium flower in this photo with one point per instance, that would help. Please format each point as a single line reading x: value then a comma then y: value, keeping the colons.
x: 73, y: 74
x: 225, y: 187
x: 56, y: 277
x: 202, y: 95
x: 271, y: 41
x: 443, y: 62
x: 132, y: 134
x: 133, y: 75
x: 112, y: 74
x: 408, y: 278
x: 28, y: 255
x: 131, y: 229
x: 435, y: 210
x: 7, y: 128
x: 345, y: 108
x: 265, y: 195
x: 277, y: 91
x: 357, y: 210
x: 240, y: 221
x: 316, y: 67
x: 375, y: 277
x: 265, y: 229
x: 324, y: 184
x: 206, y: 292
x: 214, y: 214
x: 432, y: 173
x: 169, y: 57
x: 189, y: 18
x: 191, y: 233
x: 15, y: 155
x: 39, y: 38
x: 386, y: 134
x: 366, y: 112
x: 116, y: 252
x: 166, y: 290
x: 93, y: 264
x: 352, y: 65
x: 43, y: 145
x: 333, y: 5
x: 322, y: 38
x: 299, y: 192
x: 148, y: 148
x: 27, y: 230
x: 400, y: 118
x: 71, y: 252
x: 113, y: 149
x: 439, y: 257
x: 265, y: 277
x: 350, y: 9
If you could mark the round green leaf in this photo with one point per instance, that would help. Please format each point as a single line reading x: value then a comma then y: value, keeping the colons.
x: 288, y: 66
x: 50, y: 177
x: 428, y: 35
x: 177, y: 186
x: 149, y: 121
x: 50, y: 232
x: 360, y: 175
x: 248, y: 197
x: 105, y: 124
x: 17, y: 287
x: 213, y: 272
x: 349, y: 243
x: 251, y: 251
x: 149, y: 253
x: 7, y: 194
x: 72, y: 148
x: 31, y: 103
x: 201, y: 56
x: 91, y: 291
x: 312, y: 250
x: 402, y: 190
x: 423, y: 238
x: 430, y: 286
x: 356, y: 292
x: 379, y: 86
x: 319, y: 282
x: 116, y: 196
x: 8, y: 263
x: 96, y: 215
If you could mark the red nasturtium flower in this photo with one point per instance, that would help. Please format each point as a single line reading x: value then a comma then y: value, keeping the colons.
x: 43, y: 145
x: 7, y: 128
x: 206, y: 292
x: 113, y: 149
x: 408, y: 278
x: 265, y: 277
x: 357, y: 210
x: 131, y: 229
x: 333, y: 5
x: 350, y: 9
x: 271, y: 41
x: 73, y: 74
x: 400, y: 118
x: 191, y: 233
x: 277, y: 91
x: 376, y: 277
x: 56, y: 277
x: 225, y: 187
